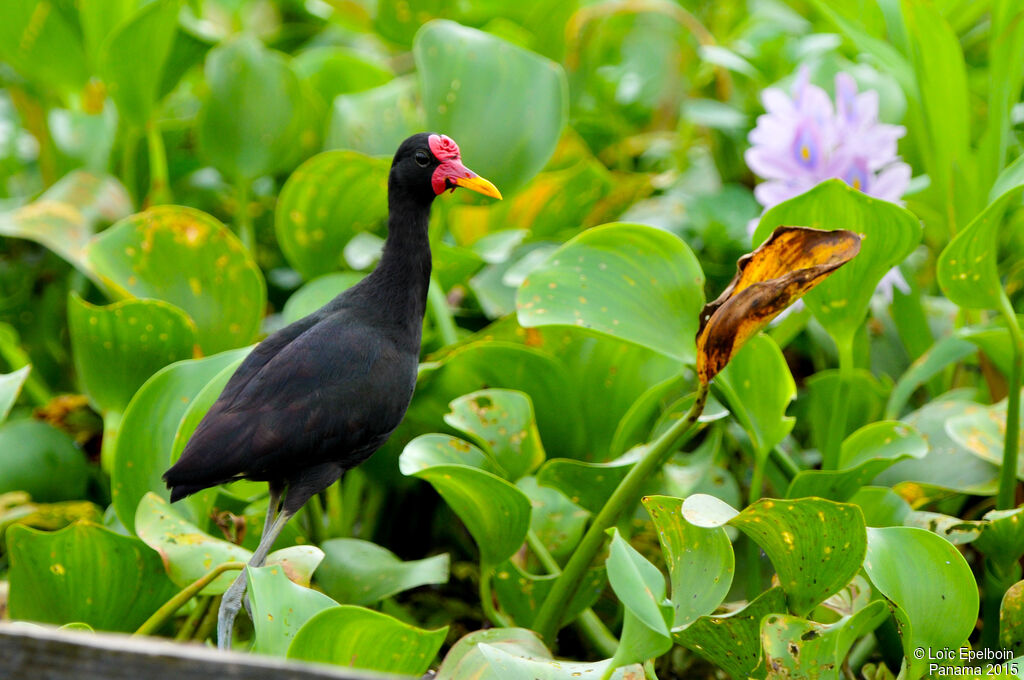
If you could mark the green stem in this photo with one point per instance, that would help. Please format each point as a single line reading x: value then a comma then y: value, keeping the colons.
x: 243, y: 219
x: 315, y: 516
x: 111, y: 425
x: 188, y: 628
x: 541, y: 551
x: 999, y: 576
x: 837, y: 425
x: 334, y: 509
x: 441, y: 313
x: 753, y: 561
x: 860, y: 653
x: 129, y: 170
x: 550, y: 614
x: 159, y: 186
x: 209, y: 621
x: 487, y: 599
x: 1008, y: 474
x: 172, y: 605
x: 352, y: 499
x: 784, y: 462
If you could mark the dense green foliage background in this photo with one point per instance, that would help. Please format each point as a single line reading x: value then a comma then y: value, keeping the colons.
x: 180, y: 177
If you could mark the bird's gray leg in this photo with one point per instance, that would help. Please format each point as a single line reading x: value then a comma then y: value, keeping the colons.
x: 232, y: 600
x: 273, y: 504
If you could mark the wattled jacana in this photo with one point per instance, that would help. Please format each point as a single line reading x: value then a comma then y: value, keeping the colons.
x: 320, y: 395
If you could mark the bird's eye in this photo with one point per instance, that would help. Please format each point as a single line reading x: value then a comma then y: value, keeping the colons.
x: 422, y: 159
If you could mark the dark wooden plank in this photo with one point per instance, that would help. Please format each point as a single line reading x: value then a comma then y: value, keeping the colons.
x: 32, y: 653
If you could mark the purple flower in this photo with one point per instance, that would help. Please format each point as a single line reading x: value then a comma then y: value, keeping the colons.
x: 803, y: 140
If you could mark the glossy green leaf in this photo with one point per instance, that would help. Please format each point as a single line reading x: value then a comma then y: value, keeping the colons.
x: 496, y: 513
x: 84, y: 573
x: 862, y: 457
x: 641, y: 588
x: 955, y: 530
x: 864, y: 399
x: 502, y: 423
x: 362, y: 638
x: 327, y: 200
x: 280, y: 608
x: 317, y: 293
x: 362, y: 573
x: 889, y: 234
x: 521, y: 593
x: 255, y: 120
x: 473, y: 86
x: 133, y: 57
x: 337, y: 70
x: 560, y: 201
x: 733, y: 641
x: 99, y: 18
x: 118, y: 347
x: 700, y: 560
x: 65, y: 217
x: 930, y: 585
x: 188, y: 553
x: 882, y: 507
x: 795, y: 647
x: 41, y: 460
x: 146, y: 437
x: 633, y: 282
x: 588, y: 485
x: 943, y: 353
x: 982, y: 431
x: 556, y: 520
x: 375, y: 121
x: 1011, y: 619
x: 32, y: 33
x: 10, y: 386
x: 1002, y: 536
x: 190, y: 259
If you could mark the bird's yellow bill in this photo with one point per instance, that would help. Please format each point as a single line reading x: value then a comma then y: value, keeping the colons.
x: 479, y: 185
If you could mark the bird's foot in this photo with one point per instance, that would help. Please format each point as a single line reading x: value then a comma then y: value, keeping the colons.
x: 230, y: 603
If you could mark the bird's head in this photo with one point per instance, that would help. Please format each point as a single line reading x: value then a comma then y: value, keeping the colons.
x: 427, y: 164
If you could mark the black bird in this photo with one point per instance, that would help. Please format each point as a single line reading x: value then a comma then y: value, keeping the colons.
x: 319, y: 396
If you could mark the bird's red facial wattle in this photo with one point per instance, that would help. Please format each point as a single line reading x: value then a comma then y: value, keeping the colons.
x: 452, y: 173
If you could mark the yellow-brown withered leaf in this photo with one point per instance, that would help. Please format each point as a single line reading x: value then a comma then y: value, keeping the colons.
x: 791, y: 262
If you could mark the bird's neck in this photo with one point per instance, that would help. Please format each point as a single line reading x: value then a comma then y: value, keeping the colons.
x: 404, y: 267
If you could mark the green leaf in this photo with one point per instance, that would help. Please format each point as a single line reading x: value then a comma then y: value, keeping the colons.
x: 118, y: 347
x: 882, y: 507
x: 630, y: 281
x: 41, y: 42
x: 255, y: 120
x: 588, y: 485
x: 333, y: 70
x: 641, y: 588
x: 943, y: 353
x: 317, y: 293
x: 930, y: 585
x: 864, y: 402
x: 10, y: 387
x: 967, y: 268
x: 473, y: 87
x: 556, y: 520
x: 375, y: 122
x: 327, y: 200
x: 982, y: 431
x: 361, y: 638
x: 146, y: 437
x: 1002, y: 536
x: 1011, y: 619
x: 280, y: 608
x: 758, y: 388
x: 99, y: 18
x: 84, y: 573
x: 863, y: 456
x: 521, y: 593
x: 190, y: 259
x: 188, y: 553
x: 363, y: 573
x: 889, y: 234
x: 65, y: 217
x: 133, y: 56
x: 733, y: 641
x: 502, y: 423
x: 496, y: 513
x: 795, y: 647
x: 700, y: 560
x: 42, y: 461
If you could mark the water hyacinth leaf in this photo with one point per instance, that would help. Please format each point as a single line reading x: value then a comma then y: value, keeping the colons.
x: 588, y: 485
x: 955, y: 530
x: 558, y: 200
x: 133, y: 56
x: 327, y: 200
x: 117, y: 347
x: 633, y: 282
x: 931, y: 587
x: 10, y: 387
x: 888, y: 234
x: 375, y: 121
x: 41, y: 460
x: 864, y: 401
x: 334, y: 70
x: 188, y: 258
x: 641, y: 588
x: 862, y: 457
x: 280, y: 608
x: 145, y: 440
x: 1011, y: 619
x: 982, y: 431
x: 362, y: 638
x: 795, y: 647
x: 443, y: 449
x: 521, y: 594
x: 502, y: 423
x: 881, y: 506
x: 362, y: 573
x: 733, y: 641
x: 84, y: 573
x: 554, y: 518
x: 758, y: 387
x: 496, y: 513
x: 317, y: 293
x: 255, y: 120
x: 782, y: 270
x: 700, y: 561
x: 509, y: 667
x: 943, y: 353
x: 64, y: 218
x: 31, y: 33
x: 188, y: 553
x: 1002, y: 536
x: 468, y: 76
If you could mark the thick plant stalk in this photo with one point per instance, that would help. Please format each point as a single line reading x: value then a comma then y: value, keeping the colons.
x: 837, y: 425
x: 546, y: 623
x: 172, y: 605
x: 487, y: 598
x: 439, y: 312
x: 243, y: 220
x: 159, y: 185
x: 1008, y: 474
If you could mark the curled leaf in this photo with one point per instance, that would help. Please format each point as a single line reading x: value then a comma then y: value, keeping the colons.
x: 790, y: 263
